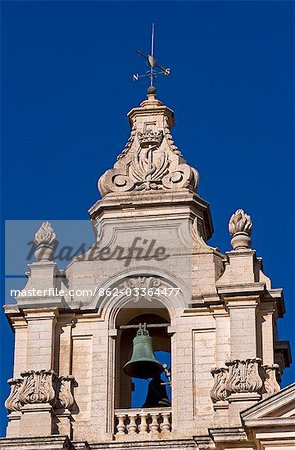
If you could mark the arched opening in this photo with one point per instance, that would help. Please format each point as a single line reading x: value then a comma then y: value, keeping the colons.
x: 133, y: 392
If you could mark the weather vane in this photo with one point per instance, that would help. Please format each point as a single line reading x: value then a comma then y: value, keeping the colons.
x: 154, y: 68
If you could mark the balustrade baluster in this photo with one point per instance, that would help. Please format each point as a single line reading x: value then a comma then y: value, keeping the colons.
x: 165, y: 425
x: 132, y: 427
x: 143, y: 424
x: 154, y: 426
x: 121, y: 424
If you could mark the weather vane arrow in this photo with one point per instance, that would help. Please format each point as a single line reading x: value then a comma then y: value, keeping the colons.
x: 154, y: 68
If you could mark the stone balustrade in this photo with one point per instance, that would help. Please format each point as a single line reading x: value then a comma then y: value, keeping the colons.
x: 142, y: 421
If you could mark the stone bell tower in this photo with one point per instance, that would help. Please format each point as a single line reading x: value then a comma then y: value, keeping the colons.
x: 150, y: 273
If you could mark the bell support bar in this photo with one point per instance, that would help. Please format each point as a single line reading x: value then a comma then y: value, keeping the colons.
x: 148, y: 325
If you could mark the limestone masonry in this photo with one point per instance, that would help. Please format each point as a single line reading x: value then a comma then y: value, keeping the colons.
x: 214, y: 314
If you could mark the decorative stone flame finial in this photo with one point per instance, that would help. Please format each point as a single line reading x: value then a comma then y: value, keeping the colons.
x: 45, y: 242
x: 240, y: 228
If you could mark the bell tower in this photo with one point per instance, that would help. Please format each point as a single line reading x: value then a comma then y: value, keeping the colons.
x: 172, y: 344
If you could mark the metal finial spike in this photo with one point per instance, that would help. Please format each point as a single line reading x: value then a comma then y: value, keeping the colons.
x: 154, y: 69
x: 152, y: 40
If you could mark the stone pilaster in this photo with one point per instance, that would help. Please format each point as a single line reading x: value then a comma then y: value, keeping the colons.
x: 241, y: 291
x: 40, y: 338
x: 243, y: 356
x: 243, y: 329
x: 20, y: 328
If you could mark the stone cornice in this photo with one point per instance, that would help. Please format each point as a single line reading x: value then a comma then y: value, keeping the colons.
x: 19, y: 316
x: 154, y: 204
x: 41, y: 313
x: 17, y: 321
x: 276, y: 296
x: 233, y: 434
x: 52, y: 302
x: 272, y: 422
x: 29, y: 443
x: 283, y: 348
x: 269, y: 299
x: 165, y: 444
x: 153, y: 107
x: 237, y: 291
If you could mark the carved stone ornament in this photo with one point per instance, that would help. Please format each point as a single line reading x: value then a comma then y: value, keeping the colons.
x: 240, y: 228
x: 45, y: 242
x: 13, y: 403
x: 244, y: 376
x: 149, y: 162
x: 218, y: 392
x: 142, y: 288
x: 42, y: 386
x: 38, y: 387
x: 65, y: 395
x: 271, y: 385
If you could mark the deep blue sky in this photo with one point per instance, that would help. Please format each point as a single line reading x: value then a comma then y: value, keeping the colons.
x: 66, y: 88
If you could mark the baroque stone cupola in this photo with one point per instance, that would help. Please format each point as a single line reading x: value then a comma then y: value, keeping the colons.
x: 152, y: 338
x: 151, y: 171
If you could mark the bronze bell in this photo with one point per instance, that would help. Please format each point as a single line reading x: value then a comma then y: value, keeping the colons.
x: 143, y: 363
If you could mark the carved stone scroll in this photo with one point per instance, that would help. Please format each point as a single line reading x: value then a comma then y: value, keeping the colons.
x: 13, y: 403
x: 65, y: 394
x: 271, y: 385
x: 218, y: 392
